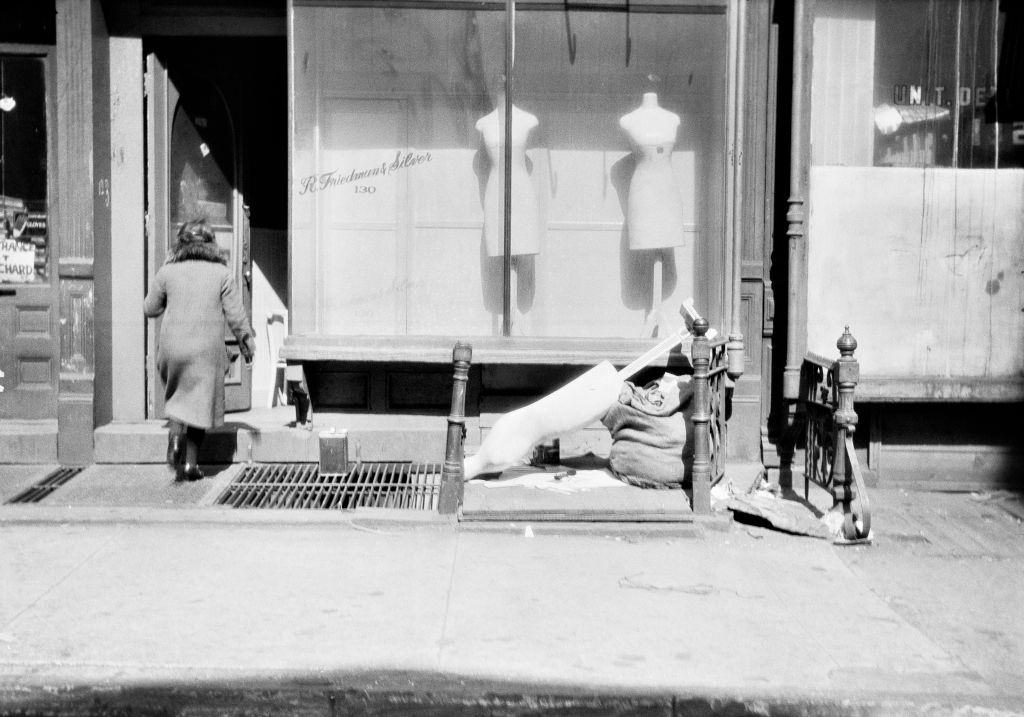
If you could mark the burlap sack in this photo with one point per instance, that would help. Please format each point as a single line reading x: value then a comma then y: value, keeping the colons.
x: 652, y: 434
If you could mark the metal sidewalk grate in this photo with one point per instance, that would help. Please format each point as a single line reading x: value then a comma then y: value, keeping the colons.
x: 46, y: 487
x: 400, y: 485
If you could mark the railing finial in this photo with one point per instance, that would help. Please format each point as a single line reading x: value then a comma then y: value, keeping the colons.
x: 846, y: 343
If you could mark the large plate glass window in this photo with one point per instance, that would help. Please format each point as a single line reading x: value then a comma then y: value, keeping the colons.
x: 406, y: 217
x: 917, y: 184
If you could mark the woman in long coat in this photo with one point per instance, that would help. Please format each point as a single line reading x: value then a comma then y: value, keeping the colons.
x: 195, y: 292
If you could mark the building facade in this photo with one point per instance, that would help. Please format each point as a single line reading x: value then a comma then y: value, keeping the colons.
x: 548, y: 181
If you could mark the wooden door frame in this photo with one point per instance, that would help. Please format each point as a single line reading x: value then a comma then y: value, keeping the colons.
x: 159, y: 124
x: 157, y: 146
x: 751, y: 219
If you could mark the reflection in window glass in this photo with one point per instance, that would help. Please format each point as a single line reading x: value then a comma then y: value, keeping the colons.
x: 918, y: 83
x: 399, y: 199
x: 201, y: 157
x: 916, y: 187
x: 24, y: 246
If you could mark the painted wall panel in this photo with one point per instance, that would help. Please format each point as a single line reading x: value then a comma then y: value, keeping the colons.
x: 33, y: 321
x: 34, y: 373
x: 77, y: 300
x: 925, y: 265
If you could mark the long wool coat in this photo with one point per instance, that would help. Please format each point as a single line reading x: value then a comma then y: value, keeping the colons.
x: 195, y: 296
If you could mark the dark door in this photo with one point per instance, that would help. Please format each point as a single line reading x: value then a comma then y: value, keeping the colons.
x: 29, y: 331
x: 192, y: 167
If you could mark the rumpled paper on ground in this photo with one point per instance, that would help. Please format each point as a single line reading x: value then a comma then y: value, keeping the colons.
x: 788, y: 515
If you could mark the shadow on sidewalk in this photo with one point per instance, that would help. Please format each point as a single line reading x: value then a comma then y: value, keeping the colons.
x: 421, y: 694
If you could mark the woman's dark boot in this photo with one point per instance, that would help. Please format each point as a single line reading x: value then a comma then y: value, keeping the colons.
x: 175, y: 443
x: 190, y: 469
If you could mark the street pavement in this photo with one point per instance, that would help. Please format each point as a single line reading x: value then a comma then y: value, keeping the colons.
x: 113, y: 605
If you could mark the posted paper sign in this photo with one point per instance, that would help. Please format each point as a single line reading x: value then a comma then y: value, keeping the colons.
x: 17, y: 261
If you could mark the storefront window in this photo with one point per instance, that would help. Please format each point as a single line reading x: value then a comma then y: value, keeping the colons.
x: 919, y: 83
x: 916, y: 185
x: 24, y: 244
x: 399, y: 202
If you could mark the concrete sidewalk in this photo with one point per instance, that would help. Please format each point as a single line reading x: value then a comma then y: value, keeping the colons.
x: 179, y: 605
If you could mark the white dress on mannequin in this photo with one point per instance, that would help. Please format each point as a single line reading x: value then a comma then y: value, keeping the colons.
x: 525, y: 219
x: 654, y: 209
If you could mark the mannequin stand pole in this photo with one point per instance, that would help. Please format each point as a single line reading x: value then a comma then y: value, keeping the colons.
x: 655, y: 324
x: 513, y: 291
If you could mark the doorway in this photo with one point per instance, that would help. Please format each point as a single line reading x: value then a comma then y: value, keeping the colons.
x: 217, y: 149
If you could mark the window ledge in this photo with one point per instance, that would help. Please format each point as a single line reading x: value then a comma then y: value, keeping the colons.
x: 928, y: 389
x: 486, y: 349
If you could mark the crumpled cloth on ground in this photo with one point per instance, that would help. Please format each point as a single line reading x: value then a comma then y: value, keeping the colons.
x: 576, y: 482
x: 652, y: 432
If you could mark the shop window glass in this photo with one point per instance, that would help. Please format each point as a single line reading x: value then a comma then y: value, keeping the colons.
x: 627, y: 164
x: 399, y: 176
x: 24, y: 246
x: 916, y: 185
x: 201, y: 159
x: 918, y: 83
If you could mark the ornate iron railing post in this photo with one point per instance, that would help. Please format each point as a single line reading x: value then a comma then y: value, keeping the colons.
x: 700, y: 354
x: 847, y: 377
x: 452, y: 473
x: 845, y: 469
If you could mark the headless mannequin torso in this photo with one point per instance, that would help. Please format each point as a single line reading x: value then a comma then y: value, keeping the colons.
x: 654, y: 210
x: 525, y: 221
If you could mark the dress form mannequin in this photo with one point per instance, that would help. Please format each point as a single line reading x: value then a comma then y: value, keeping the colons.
x: 654, y: 210
x: 525, y: 220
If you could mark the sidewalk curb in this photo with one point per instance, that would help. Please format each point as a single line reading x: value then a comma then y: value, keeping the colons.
x: 359, y: 519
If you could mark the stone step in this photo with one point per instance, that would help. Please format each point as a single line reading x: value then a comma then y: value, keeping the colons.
x: 371, y: 438
x: 29, y: 442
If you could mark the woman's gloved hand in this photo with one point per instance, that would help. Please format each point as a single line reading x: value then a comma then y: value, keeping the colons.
x: 247, y: 346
